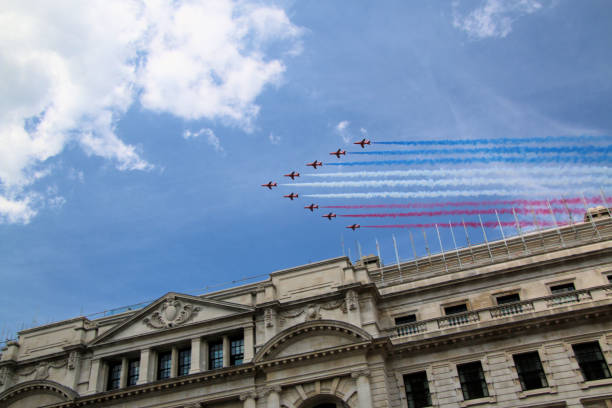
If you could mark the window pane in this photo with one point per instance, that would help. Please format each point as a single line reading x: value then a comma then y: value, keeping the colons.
x: 472, y: 380
x: 449, y: 310
x: 164, y: 365
x: 236, y: 351
x: 405, y: 319
x: 417, y: 390
x: 567, y: 287
x: 530, y: 371
x: 591, y: 361
x: 508, y: 299
x: 184, y: 363
x: 114, y: 376
x: 215, y: 355
x: 133, y: 370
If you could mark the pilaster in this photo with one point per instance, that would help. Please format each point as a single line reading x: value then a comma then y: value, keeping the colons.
x: 226, y: 351
x: 196, y: 356
x: 248, y: 344
x: 145, y: 369
x: 364, y: 393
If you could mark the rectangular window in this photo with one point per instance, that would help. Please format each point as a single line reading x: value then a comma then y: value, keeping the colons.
x: 215, y: 355
x: 417, y: 390
x: 530, y: 371
x: 164, y: 365
x: 114, y: 375
x: 560, y: 290
x: 184, y: 361
x: 566, y: 287
x: 609, y: 278
x: 472, y: 380
x: 502, y: 300
x: 591, y: 361
x: 405, y: 319
x: 133, y: 370
x: 456, y: 309
x: 236, y: 351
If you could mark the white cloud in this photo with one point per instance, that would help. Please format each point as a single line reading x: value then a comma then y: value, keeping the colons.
x: 211, y: 138
x: 274, y: 139
x: 342, y: 130
x: 493, y: 18
x: 70, y: 70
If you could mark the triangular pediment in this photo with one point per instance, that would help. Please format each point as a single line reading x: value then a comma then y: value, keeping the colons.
x: 173, y: 310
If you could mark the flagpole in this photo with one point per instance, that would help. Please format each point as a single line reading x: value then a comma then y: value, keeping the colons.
x: 552, y: 213
x: 467, y: 238
x: 442, y: 249
x: 426, y: 245
x: 571, y: 218
x: 382, y: 273
x: 519, y: 229
x: 397, y: 258
x: 485, y: 237
x: 590, y: 217
x: 502, y: 232
x: 450, y: 226
x: 416, y: 260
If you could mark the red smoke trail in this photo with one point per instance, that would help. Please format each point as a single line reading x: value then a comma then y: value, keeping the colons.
x: 538, y: 211
x: 528, y: 203
x: 487, y: 224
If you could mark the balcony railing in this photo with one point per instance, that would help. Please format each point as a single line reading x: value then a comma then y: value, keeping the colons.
x: 490, y: 314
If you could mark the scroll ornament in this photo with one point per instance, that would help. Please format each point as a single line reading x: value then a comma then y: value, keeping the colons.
x: 171, y: 314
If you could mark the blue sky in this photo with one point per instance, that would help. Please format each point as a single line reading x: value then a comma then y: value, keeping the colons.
x: 134, y: 137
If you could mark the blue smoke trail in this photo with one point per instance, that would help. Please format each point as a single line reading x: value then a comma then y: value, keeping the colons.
x: 493, y: 150
x: 471, y: 160
x: 503, y: 140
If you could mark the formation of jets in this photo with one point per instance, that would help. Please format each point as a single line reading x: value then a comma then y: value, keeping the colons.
x: 316, y: 164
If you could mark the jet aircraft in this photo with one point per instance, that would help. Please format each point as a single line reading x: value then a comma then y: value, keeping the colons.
x: 312, y: 207
x: 329, y: 216
x: 269, y: 185
x: 293, y: 175
x: 314, y: 164
x: 338, y: 152
x: 291, y: 196
x: 354, y: 226
x: 363, y: 142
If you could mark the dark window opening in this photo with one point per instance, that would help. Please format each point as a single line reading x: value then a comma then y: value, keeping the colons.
x: 114, y: 376
x: 236, y: 351
x: 405, y: 319
x: 184, y: 361
x: 417, y: 390
x: 472, y: 380
x: 609, y: 278
x: 215, y: 355
x: 591, y: 361
x: 530, y: 371
x: 502, y: 300
x: 164, y: 365
x: 133, y: 372
x: 566, y: 287
x: 450, y: 310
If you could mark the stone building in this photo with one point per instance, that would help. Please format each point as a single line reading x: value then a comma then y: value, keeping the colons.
x: 523, y: 322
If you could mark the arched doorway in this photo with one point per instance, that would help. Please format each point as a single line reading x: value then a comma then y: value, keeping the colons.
x: 324, y: 401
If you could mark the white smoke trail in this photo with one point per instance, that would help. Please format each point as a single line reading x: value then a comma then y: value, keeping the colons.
x: 505, y: 171
x: 472, y: 182
x: 435, y: 194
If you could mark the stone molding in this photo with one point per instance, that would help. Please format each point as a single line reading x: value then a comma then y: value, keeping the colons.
x: 40, y: 385
x: 361, y: 373
x: 250, y: 394
x: 264, y: 392
x: 171, y: 313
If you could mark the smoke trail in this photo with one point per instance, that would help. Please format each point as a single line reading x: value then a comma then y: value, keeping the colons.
x: 505, y: 140
x: 476, y: 181
x: 471, y: 160
x: 529, y: 203
x: 486, y: 224
x: 528, y: 211
x: 535, y: 171
x: 422, y: 194
x: 492, y: 150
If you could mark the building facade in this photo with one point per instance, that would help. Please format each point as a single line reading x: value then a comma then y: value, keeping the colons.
x: 523, y: 322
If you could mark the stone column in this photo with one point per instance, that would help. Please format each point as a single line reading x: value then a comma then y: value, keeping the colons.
x: 94, y: 375
x: 174, y: 363
x: 272, y: 394
x: 124, y: 373
x: 196, y: 358
x: 205, y: 356
x: 248, y: 344
x: 144, y: 371
x: 226, y: 352
x: 248, y: 400
x: 364, y: 393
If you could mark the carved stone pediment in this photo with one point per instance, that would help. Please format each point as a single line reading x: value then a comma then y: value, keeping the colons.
x: 171, y: 311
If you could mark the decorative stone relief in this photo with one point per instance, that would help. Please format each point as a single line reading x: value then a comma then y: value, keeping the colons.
x: 359, y: 373
x: 5, y: 375
x: 264, y: 392
x: 73, y: 360
x: 351, y: 300
x: 313, y: 310
x: 270, y: 316
x: 247, y: 395
x: 42, y: 370
x: 170, y: 314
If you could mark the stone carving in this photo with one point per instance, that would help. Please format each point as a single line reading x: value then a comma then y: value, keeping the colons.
x: 171, y: 314
x: 270, y: 316
x: 42, y: 369
x: 73, y: 360
x: 351, y: 300
x: 4, y: 375
x: 248, y: 395
x: 264, y: 392
x: 334, y: 304
x: 313, y: 310
x: 364, y: 372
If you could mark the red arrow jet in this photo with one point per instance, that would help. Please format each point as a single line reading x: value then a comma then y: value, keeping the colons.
x: 363, y: 142
x: 314, y: 164
x: 338, y: 152
x: 269, y: 185
x: 312, y: 207
x: 293, y: 175
x: 329, y: 216
x: 291, y: 196
x: 354, y: 226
